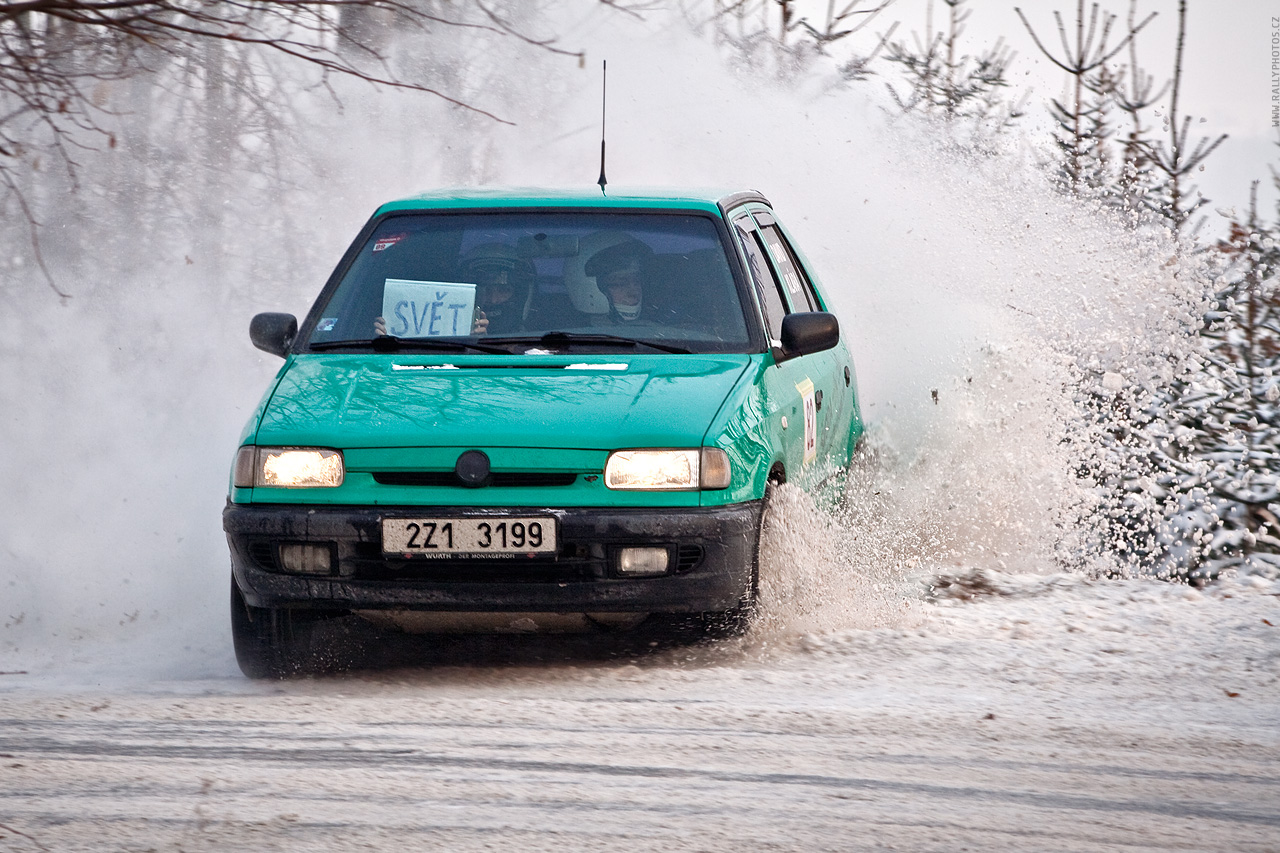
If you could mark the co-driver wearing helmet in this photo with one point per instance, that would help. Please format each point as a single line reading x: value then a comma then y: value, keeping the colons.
x: 617, y: 271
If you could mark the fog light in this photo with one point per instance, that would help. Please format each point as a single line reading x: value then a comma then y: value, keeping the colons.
x: 642, y: 562
x: 304, y: 559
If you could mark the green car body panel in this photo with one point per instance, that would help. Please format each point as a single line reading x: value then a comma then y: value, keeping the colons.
x: 402, y: 417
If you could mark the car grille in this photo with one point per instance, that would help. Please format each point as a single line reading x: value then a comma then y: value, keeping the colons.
x: 366, y: 561
x: 572, y: 564
x: 501, y: 479
x: 264, y: 554
x: 688, y: 556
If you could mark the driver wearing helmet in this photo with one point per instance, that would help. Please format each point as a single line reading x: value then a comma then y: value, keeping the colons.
x: 502, y: 280
x: 617, y: 271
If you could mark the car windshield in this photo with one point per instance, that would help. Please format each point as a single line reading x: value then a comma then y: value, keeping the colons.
x: 538, y: 282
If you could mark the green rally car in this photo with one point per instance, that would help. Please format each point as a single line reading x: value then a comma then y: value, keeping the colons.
x: 534, y: 406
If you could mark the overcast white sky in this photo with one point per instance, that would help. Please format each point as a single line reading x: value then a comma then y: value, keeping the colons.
x: 1226, y: 73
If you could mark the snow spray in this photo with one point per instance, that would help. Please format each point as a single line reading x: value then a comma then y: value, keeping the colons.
x: 977, y: 300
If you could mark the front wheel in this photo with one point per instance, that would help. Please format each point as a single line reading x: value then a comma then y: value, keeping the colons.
x: 274, y: 642
x: 737, y: 620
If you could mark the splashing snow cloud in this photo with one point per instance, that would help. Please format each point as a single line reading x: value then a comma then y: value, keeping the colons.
x: 976, y: 299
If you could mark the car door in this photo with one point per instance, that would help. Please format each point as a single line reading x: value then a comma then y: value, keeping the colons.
x: 835, y: 401
x: 794, y: 389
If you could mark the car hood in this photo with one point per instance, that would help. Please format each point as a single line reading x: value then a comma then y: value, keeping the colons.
x: 385, y: 400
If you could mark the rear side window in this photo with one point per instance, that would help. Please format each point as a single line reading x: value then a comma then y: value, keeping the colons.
x: 762, y: 275
x: 799, y: 288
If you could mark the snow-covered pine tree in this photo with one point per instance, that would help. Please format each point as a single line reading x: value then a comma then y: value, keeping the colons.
x: 1083, y: 134
x: 1218, y: 434
x: 1135, y: 92
x: 1172, y: 196
x: 944, y: 81
x: 1081, y: 114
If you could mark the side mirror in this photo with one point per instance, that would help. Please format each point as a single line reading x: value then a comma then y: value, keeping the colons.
x: 809, y: 332
x: 273, y: 333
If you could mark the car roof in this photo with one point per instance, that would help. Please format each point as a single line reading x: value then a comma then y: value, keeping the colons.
x: 458, y: 198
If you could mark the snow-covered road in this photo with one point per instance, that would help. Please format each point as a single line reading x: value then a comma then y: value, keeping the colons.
x: 1043, y: 713
x: 1015, y: 710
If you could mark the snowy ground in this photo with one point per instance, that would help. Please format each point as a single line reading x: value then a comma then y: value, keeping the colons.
x: 1026, y: 711
x: 1014, y: 712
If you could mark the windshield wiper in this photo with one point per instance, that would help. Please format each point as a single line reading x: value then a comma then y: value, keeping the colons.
x: 560, y: 339
x: 390, y: 343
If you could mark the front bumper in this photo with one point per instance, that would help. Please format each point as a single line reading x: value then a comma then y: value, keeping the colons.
x: 712, y: 549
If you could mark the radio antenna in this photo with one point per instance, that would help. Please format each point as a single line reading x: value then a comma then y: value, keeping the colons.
x: 604, y: 91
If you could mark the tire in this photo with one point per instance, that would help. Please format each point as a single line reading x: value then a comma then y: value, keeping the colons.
x: 272, y: 642
x: 736, y: 621
x: 733, y: 622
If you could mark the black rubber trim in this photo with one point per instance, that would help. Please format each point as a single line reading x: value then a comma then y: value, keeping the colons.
x: 734, y: 200
x: 715, y: 550
x: 448, y: 479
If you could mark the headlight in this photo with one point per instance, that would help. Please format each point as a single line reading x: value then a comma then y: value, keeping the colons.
x: 288, y: 467
x: 668, y: 470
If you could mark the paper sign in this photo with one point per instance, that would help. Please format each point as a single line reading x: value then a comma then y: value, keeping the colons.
x: 428, y: 309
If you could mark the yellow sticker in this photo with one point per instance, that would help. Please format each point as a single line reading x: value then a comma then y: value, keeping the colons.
x: 810, y: 419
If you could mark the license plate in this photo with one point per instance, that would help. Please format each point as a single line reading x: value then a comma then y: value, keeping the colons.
x: 438, y: 537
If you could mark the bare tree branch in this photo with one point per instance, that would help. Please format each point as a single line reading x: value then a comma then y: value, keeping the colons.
x: 546, y: 44
x: 1086, y: 56
x: 7, y: 178
x: 59, y: 58
x: 1081, y: 123
x: 1178, y: 159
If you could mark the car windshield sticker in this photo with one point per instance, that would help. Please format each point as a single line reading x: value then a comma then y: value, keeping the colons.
x: 384, y: 243
x: 810, y: 420
x: 428, y: 309
x: 326, y: 324
x: 589, y: 366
